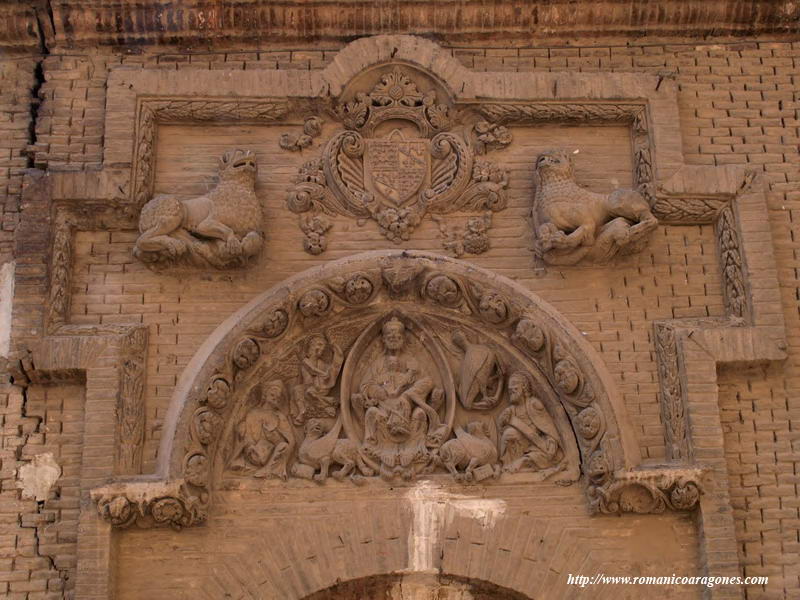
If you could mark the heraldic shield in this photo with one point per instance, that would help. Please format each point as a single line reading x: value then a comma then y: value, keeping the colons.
x: 396, y: 166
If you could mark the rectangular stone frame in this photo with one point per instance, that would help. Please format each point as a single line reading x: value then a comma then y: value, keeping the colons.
x: 140, y: 100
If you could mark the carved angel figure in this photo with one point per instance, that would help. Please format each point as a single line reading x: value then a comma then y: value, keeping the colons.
x: 480, y: 378
x: 529, y: 438
x: 573, y: 224
x: 319, y: 369
x: 265, y: 438
x: 221, y: 228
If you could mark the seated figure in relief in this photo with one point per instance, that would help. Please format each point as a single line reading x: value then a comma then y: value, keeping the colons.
x: 399, y: 423
x: 529, y: 439
x: 264, y: 437
x: 319, y: 370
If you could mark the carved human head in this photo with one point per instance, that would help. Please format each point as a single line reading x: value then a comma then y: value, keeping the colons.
x: 556, y: 162
x: 519, y: 386
x: 394, y: 334
x: 237, y: 162
x: 316, y: 345
x: 273, y: 394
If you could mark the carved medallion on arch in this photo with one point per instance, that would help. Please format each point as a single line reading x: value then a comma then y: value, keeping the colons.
x: 396, y: 366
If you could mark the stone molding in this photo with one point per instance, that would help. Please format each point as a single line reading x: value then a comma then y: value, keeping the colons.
x: 81, y: 24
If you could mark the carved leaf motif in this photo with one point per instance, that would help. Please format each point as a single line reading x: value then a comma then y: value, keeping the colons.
x: 344, y: 169
x: 569, y: 113
x: 672, y: 394
x: 688, y: 210
x: 351, y: 170
x: 451, y: 175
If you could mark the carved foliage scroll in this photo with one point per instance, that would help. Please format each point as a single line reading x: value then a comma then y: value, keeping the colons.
x: 673, y: 394
x: 130, y: 403
x: 732, y: 263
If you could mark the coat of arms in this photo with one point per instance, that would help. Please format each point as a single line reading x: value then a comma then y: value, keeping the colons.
x: 396, y: 167
x: 429, y: 165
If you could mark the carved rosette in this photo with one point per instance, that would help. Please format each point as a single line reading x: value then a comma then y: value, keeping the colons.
x: 397, y: 178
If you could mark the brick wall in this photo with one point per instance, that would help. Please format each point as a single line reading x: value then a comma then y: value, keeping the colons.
x: 16, y: 82
x: 739, y: 105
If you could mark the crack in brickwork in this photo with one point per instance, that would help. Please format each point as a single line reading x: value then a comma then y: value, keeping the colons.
x: 738, y: 106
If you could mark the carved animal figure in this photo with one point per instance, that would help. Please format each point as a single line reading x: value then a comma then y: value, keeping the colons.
x: 573, y: 223
x: 221, y: 228
x: 472, y: 448
x: 322, y: 447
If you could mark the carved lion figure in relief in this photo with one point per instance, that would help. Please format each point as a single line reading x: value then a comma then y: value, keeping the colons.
x: 574, y: 224
x: 221, y: 228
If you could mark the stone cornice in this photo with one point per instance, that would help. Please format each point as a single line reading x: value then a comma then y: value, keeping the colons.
x: 73, y: 23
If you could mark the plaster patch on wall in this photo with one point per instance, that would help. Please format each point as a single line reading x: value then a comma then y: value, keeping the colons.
x: 6, y: 301
x: 37, y: 477
x: 433, y: 508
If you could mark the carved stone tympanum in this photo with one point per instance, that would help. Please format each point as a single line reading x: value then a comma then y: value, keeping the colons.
x: 221, y: 229
x: 573, y: 224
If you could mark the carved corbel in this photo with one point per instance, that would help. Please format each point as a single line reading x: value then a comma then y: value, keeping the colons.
x: 151, y: 504
x: 648, y: 491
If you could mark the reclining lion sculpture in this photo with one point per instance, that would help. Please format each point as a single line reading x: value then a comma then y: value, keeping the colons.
x: 573, y: 224
x: 221, y: 228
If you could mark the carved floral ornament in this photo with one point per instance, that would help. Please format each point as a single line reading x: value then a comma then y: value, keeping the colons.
x: 395, y: 367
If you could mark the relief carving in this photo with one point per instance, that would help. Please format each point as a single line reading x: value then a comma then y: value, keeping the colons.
x: 474, y: 450
x: 131, y: 409
x: 426, y: 164
x: 380, y: 398
x: 312, y: 127
x: 529, y: 438
x: 480, y: 378
x: 418, y: 369
x: 319, y: 370
x: 573, y: 224
x: 221, y: 229
x: 398, y: 400
x: 265, y: 439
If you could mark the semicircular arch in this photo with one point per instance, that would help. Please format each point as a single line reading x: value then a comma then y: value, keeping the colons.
x: 433, y: 296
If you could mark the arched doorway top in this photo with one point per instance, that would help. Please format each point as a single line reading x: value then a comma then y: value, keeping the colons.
x: 512, y: 344
x: 364, y: 53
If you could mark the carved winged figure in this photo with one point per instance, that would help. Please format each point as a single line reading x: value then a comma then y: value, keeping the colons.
x: 221, y: 228
x: 472, y: 448
x: 322, y: 448
x: 573, y: 224
x: 480, y: 378
x: 318, y: 374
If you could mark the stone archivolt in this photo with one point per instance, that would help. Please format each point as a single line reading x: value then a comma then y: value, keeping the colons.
x: 403, y: 155
x: 400, y: 366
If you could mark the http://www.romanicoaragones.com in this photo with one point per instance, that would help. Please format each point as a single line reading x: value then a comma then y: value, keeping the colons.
x: 707, y: 581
